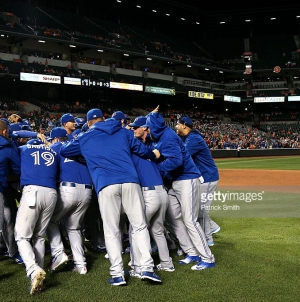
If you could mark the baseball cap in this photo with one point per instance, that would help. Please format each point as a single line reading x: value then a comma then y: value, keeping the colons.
x: 185, y: 120
x: 119, y: 115
x: 67, y: 117
x: 138, y: 122
x: 58, y: 132
x: 5, y: 120
x: 94, y: 113
x: 34, y: 141
x: 80, y: 121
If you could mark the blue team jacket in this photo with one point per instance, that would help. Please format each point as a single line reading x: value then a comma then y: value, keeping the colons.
x: 175, y: 159
x: 201, y: 155
x: 147, y: 170
x: 107, y: 149
x: 72, y: 170
x: 9, y: 161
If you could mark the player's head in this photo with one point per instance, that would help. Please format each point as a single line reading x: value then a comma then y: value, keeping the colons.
x: 120, y: 116
x: 34, y: 141
x: 4, y: 128
x: 184, y: 125
x: 80, y: 121
x: 156, y: 124
x: 68, y: 122
x: 93, y: 116
x: 58, y: 134
x: 138, y: 128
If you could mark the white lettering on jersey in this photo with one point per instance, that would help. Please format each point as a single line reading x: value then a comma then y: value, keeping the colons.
x: 47, y: 156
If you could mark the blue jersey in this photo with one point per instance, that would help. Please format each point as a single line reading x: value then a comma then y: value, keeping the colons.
x: 147, y: 171
x: 71, y: 170
x: 39, y: 166
x: 9, y: 161
x: 175, y: 159
x: 107, y: 149
x: 201, y: 155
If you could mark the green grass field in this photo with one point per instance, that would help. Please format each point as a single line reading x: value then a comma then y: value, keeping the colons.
x: 257, y: 259
x: 270, y: 163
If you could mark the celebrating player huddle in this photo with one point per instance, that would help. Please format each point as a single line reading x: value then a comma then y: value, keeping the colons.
x: 144, y: 175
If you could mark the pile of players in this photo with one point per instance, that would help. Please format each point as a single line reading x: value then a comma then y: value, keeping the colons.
x: 142, y: 174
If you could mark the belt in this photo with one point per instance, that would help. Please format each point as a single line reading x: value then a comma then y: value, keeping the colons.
x: 73, y: 184
x: 148, y: 188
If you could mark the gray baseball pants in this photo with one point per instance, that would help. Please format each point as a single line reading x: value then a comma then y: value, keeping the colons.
x: 70, y: 207
x: 182, y: 215
x: 31, y: 224
x: 113, y: 201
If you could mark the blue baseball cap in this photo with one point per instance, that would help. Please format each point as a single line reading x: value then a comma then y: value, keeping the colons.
x: 119, y: 115
x: 15, y: 127
x: 94, y: 113
x: 140, y: 121
x: 58, y: 132
x: 80, y: 121
x: 34, y: 141
x: 5, y: 120
x: 67, y: 117
x: 185, y: 120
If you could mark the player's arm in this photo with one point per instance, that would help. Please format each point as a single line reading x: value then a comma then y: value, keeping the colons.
x: 71, y: 149
x: 140, y: 149
x: 193, y: 145
x: 171, y: 152
x: 14, y: 164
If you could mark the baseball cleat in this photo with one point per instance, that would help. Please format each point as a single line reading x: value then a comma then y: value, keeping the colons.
x: 215, y: 230
x: 117, y: 281
x: 58, y: 261
x: 189, y: 259
x: 37, y: 282
x: 210, y: 243
x: 99, y: 248
x: 159, y: 267
x: 203, y: 265
x: 150, y: 276
x: 180, y: 252
x: 80, y: 269
x: 133, y: 273
x: 17, y: 258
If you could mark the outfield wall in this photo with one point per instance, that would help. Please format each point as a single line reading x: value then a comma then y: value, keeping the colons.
x: 255, y: 152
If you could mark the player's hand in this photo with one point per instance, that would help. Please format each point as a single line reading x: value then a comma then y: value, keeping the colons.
x: 43, y: 138
x: 156, y: 109
x: 157, y: 153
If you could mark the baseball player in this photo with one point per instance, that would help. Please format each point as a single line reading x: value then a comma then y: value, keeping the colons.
x: 178, y: 168
x: 67, y: 121
x: 75, y: 191
x: 39, y: 165
x: 80, y: 121
x: 8, y: 243
x: 9, y: 161
x: 120, y: 116
x: 202, y: 157
x: 117, y: 185
x: 156, y: 202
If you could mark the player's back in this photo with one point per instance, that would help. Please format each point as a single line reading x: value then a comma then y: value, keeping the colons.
x: 39, y: 165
